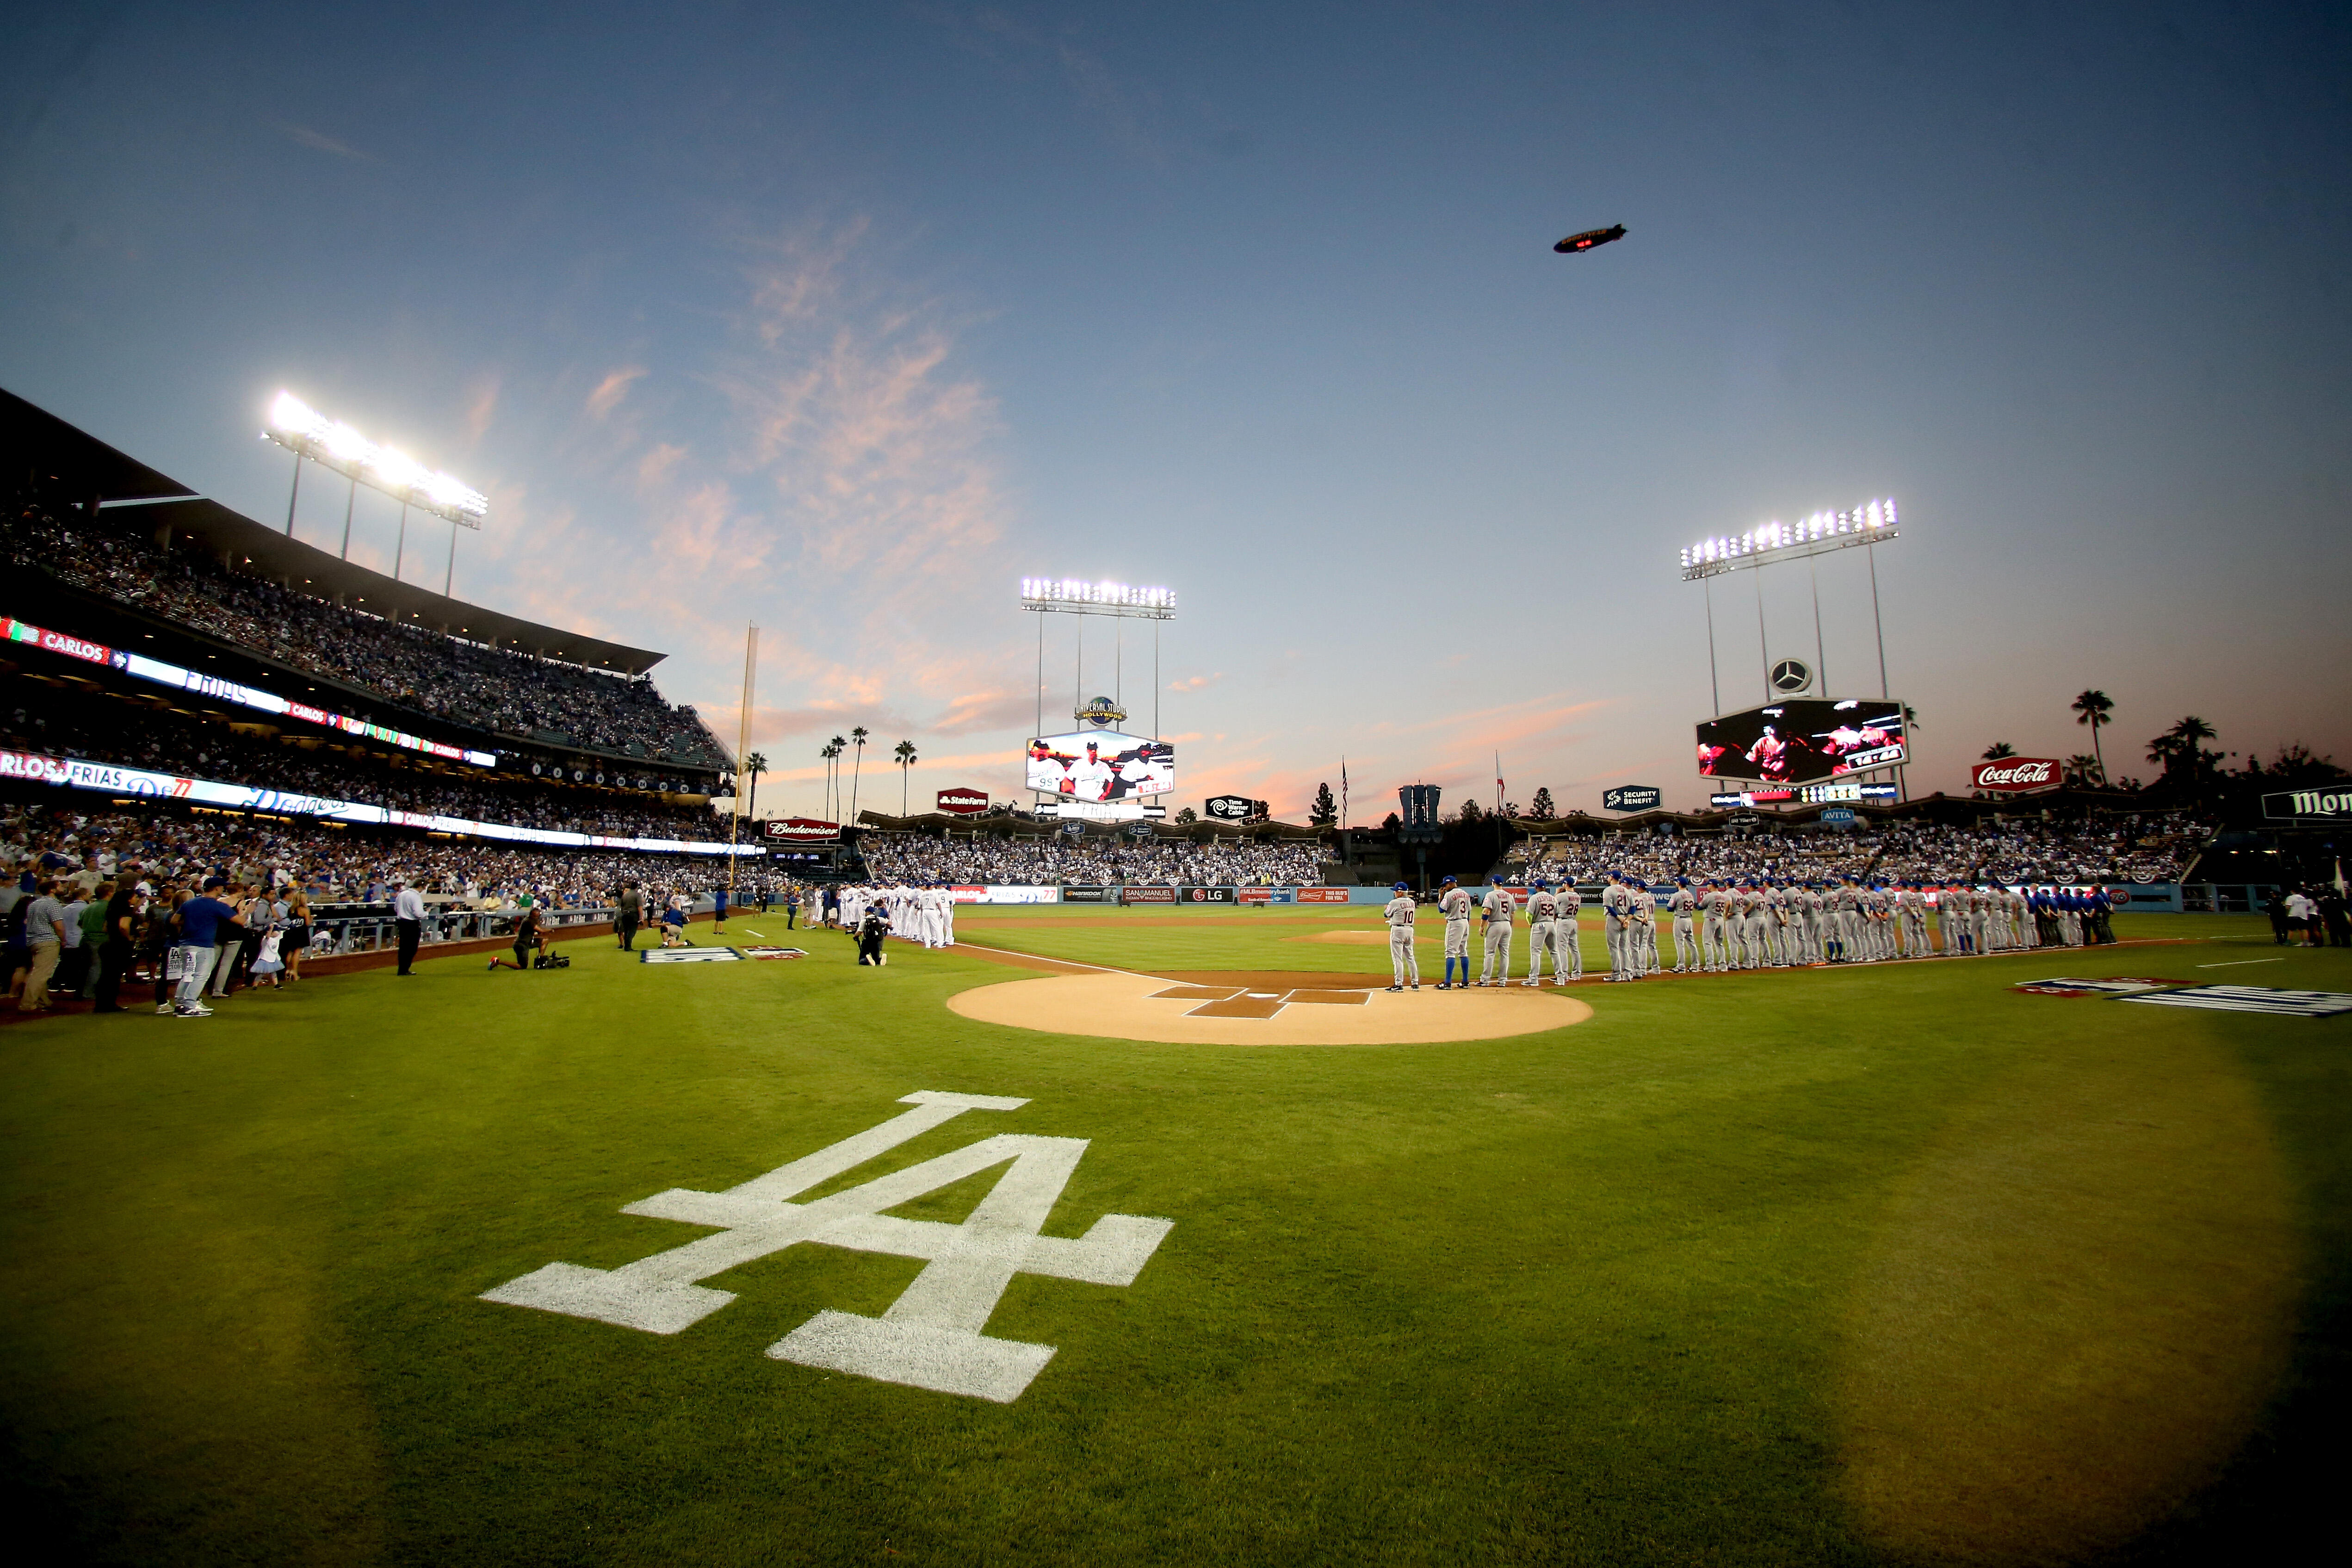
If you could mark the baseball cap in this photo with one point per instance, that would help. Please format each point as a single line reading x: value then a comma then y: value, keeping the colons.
x: 1450, y: 880
x: 1402, y: 887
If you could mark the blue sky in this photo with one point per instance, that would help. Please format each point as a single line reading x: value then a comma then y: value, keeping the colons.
x: 842, y: 320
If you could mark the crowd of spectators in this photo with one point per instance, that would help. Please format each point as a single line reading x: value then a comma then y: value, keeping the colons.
x: 2140, y: 849
x: 174, y: 846
x: 160, y: 740
x: 424, y: 670
x: 1041, y: 861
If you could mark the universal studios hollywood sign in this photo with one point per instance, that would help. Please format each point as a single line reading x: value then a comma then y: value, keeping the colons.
x: 2309, y: 805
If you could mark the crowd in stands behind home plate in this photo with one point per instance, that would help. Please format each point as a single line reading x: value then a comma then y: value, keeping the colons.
x: 1043, y: 861
x: 484, y: 688
x: 2148, y: 848
x: 160, y: 741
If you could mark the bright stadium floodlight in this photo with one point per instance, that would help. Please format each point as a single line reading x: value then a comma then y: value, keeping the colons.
x: 331, y: 444
x: 1872, y: 522
x: 1105, y: 598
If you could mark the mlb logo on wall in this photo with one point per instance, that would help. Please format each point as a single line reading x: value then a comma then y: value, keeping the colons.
x: 688, y: 955
x: 2255, y: 999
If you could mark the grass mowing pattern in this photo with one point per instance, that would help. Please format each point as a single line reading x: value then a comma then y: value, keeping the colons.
x: 1590, y: 1296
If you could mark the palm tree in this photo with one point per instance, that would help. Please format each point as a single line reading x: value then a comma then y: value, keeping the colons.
x: 906, y: 756
x: 857, y: 765
x: 2086, y: 770
x: 2094, y: 707
x: 832, y: 750
x: 1998, y: 750
x: 755, y: 763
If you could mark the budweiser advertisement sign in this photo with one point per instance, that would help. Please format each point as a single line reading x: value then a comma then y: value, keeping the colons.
x: 963, y: 802
x: 2014, y: 774
x: 800, y: 830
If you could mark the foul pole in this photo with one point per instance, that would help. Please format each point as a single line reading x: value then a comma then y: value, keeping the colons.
x: 742, y: 748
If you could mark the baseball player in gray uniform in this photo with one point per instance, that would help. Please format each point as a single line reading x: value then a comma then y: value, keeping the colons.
x: 1454, y: 905
x: 1543, y: 916
x: 1568, y: 953
x: 1683, y: 904
x: 1498, y: 908
x: 1402, y: 961
x: 1616, y: 912
x: 1715, y: 903
x: 1644, y: 929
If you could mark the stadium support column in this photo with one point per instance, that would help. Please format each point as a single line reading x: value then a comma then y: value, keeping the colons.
x: 1871, y: 551
x: 1763, y: 657
x: 349, y: 501
x: 1820, y: 653
x: 296, y: 493
x: 1714, y: 681
x: 450, y: 575
x: 400, y: 544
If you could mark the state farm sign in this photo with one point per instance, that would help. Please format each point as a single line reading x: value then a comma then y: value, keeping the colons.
x: 2013, y: 774
x: 963, y: 802
x: 802, y: 831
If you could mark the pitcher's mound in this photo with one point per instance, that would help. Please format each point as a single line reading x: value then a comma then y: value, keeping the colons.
x: 1238, y: 1010
x: 1351, y: 938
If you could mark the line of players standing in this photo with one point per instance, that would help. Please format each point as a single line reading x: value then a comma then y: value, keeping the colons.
x: 1749, y: 923
x: 925, y: 914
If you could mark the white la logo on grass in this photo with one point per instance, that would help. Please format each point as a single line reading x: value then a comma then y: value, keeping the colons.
x: 930, y: 1336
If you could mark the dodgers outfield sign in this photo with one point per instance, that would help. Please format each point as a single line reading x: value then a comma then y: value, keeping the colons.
x: 930, y: 1336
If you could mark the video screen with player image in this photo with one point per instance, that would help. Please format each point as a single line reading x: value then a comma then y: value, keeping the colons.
x: 1101, y: 766
x: 1801, y: 742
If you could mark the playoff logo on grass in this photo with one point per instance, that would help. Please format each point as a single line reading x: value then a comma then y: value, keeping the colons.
x: 2111, y: 985
x: 687, y: 955
x: 931, y: 1337
x: 775, y: 952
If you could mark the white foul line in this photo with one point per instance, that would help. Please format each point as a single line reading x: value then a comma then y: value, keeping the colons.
x: 2242, y: 963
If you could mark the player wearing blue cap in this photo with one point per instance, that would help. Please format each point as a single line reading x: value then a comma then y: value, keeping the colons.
x: 1616, y: 920
x: 1683, y: 904
x: 1567, y: 951
x: 1498, y: 909
x: 1714, y: 935
x: 1543, y: 918
x: 1454, y: 905
x: 1403, y: 963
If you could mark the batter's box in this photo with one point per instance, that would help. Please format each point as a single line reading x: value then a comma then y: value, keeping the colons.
x: 1196, y: 994
x: 1342, y: 998
x: 1237, y: 1007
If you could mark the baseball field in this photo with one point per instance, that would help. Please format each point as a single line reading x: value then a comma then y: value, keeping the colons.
x: 1895, y: 1264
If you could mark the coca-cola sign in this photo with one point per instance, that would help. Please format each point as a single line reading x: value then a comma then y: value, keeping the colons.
x: 963, y: 802
x: 802, y: 831
x: 2009, y: 776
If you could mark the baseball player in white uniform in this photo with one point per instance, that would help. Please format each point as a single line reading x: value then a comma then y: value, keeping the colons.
x: 1715, y: 903
x: 1454, y: 903
x: 1403, y: 963
x: 1568, y: 953
x: 1498, y: 908
x: 1543, y: 917
x: 1644, y: 929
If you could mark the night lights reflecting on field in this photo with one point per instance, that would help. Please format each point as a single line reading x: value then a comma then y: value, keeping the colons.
x: 1870, y: 520
x: 1079, y: 591
x: 295, y: 424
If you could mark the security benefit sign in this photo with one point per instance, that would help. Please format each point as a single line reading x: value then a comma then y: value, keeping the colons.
x: 930, y: 1336
x: 1631, y: 797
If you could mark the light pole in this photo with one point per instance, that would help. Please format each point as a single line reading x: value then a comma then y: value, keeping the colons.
x: 331, y: 444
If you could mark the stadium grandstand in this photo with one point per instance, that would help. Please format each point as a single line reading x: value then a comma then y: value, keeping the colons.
x: 152, y: 630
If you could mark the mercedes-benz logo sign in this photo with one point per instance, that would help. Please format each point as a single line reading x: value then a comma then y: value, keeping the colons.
x: 1790, y: 676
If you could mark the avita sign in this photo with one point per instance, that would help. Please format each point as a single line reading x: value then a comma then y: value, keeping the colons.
x: 2013, y: 774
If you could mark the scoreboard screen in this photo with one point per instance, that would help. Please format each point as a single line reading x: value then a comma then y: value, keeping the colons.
x: 1802, y: 743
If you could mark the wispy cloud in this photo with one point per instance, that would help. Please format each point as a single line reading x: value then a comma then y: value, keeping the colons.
x: 612, y: 390
x: 1195, y: 682
x: 312, y: 139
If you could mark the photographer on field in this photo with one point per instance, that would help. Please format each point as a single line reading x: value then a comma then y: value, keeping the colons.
x: 527, y: 939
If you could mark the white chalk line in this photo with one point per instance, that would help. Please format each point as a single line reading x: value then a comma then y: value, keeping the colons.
x: 2242, y: 963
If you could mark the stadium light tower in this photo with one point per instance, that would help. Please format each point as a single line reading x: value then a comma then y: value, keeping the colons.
x: 1871, y: 523
x: 1077, y: 597
x: 331, y: 444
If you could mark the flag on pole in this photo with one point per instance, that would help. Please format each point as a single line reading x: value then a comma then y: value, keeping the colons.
x: 1499, y: 784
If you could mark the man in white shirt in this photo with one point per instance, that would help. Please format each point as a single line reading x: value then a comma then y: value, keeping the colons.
x: 1399, y: 912
x: 408, y: 921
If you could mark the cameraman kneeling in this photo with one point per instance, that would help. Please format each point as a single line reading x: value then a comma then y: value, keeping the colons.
x: 526, y: 940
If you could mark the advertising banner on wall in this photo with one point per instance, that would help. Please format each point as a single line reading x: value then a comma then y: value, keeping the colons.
x: 1085, y: 893
x: 219, y: 690
x: 800, y: 830
x: 2330, y: 805
x: 1800, y: 741
x: 2017, y: 775
x: 1265, y: 896
x: 1102, y: 767
x: 963, y: 802
x: 1323, y: 895
x: 1147, y: 895
x: 1631, y: 797
x: 1205, y: 895
x: 993, y: 894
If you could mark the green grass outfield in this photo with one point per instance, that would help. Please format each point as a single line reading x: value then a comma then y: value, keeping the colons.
x: 1892, y: 1264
